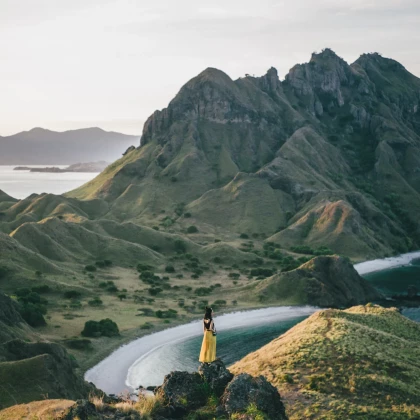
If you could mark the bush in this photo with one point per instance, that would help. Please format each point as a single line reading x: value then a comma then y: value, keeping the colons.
x: 112, y: 288
x: 144, y: 267
x: 187, y: 215
x: 170, y: 269
x: 105, y: 327
x: 155, y: 291
x: 243, y: 236
x: 234, y: 275
x: 72, y: 294
x: 38, y: 273
x: 170, y: 313
x: 43, y: 288
x: 122, y: 296
x: 96, y: 301
x: 33, y: 314
x: 179, y: 246
x: 90, y: 268
x: 192, y: 229
x: 203, y: 291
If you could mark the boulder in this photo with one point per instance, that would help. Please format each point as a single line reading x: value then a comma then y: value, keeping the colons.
x: 245, y: 392
x: 182, y: 392
x: 216, y: 375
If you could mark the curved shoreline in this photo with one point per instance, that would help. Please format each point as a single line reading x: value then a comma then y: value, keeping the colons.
x: 386, y: 263
x: 112, y: 373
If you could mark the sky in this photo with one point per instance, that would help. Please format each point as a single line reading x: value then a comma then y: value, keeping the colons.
x: 68, y: 64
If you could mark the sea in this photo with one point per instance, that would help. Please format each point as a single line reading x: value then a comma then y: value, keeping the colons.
x: 21, y: 184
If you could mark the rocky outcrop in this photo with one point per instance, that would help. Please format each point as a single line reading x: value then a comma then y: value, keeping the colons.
x: 328, y: 281
x: 244, y: 396
x: 215, y: 375
x: 245, y: 391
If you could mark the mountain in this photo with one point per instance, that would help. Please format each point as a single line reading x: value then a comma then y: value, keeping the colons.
x: 327, y: 157
x: 357, y: 363
x: 44, y: 147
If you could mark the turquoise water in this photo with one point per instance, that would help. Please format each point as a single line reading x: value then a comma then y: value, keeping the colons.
x: 232, y: 345
x: 396, y: 281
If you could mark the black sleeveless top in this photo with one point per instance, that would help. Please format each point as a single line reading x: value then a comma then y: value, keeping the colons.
x: 209, y: 325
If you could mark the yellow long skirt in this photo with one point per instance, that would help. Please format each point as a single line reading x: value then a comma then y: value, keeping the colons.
x: 208, y: 348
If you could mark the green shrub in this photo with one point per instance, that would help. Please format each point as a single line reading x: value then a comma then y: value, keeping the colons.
x: 33, y: 314
x: 96, y: 301
x: 203, y: 291
x: 112, y: 288
x: 105, y: 327
x: 263, y: 272
x: 192, y: 229
x: 179, y: 246
x: 187, y: 215
x: 154, y: 291
x: 170, y: 269
x: 72, y: 294
x: 90, y: 268
x: 243, y: 236
x: 234, y: 275
x: 43, y: 288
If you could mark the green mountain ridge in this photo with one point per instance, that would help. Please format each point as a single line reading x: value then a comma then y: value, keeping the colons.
x: 331, y: 134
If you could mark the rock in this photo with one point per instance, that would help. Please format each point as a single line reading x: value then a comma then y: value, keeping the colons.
x: 216, y: 375
x: 82, y: 410
x: 130, y: 149
x: 245, y: 390
x: 182, y: 392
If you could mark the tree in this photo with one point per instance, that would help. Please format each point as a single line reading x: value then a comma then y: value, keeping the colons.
x: 170, y: 269
x: 192, y: 229
x: 90, y: 268
x: 122, y: 296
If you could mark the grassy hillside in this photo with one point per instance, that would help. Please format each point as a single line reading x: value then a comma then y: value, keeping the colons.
x: 358, y: 363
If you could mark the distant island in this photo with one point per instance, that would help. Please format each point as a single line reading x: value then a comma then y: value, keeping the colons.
x: 77, y: 167
x: 45, y: 147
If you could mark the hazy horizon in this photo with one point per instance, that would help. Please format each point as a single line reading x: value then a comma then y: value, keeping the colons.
x: 112, y: 63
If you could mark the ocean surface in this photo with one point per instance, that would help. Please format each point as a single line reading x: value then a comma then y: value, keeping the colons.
x: 21, y: 184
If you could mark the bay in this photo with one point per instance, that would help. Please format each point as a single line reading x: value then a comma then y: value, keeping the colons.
x: 21, y: 184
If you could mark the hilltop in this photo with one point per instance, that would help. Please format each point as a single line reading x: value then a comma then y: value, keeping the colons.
x: 45, y: 147
x: 360, y: 362
x: 326, y: 157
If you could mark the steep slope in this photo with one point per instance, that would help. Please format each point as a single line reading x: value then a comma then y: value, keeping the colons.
x: 323, y: 281
x: 326, y: 157
x: 45, y: 147
x: 361, y: 362
x: 12, y: 325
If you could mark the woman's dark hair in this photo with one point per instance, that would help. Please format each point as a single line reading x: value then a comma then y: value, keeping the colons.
x: 207, y: 315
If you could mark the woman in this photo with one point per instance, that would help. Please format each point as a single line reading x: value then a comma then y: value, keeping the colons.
x: 208, y: 348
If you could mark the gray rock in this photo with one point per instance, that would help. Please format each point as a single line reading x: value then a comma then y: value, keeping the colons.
x: 182, y: 392
x: 216, y: 375
x: 245, y: 390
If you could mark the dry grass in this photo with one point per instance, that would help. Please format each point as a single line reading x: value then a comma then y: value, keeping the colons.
x: 98, y: 402
x: 148, y: 405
